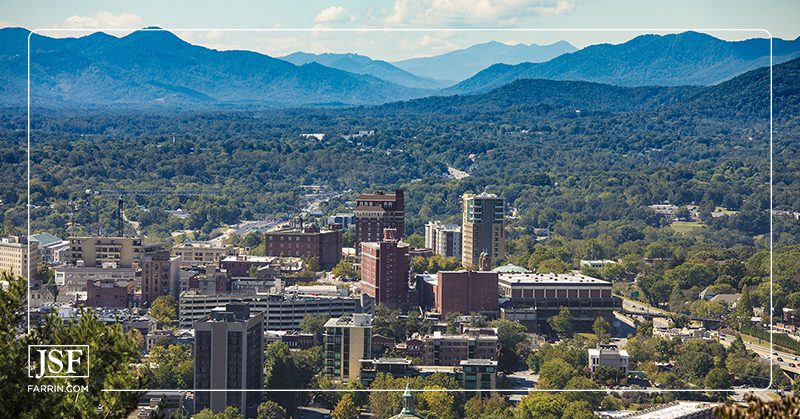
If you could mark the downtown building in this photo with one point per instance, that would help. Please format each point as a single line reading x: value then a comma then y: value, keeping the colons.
x: 160, y: 275
x: 531, y: 298
x: 95, y: 251
x: 444, y: 239
x: 229, y: 355
x: 16, y: 253
x: 482, y: 229
x: 385, y: 269
x: 462, y: 292
x: 201, y: 253
x: 306, y: 241
x: 347, y: 341
x: 282, y: 311
x: 377, y: 211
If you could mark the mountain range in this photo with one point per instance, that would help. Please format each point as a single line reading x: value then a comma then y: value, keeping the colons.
x: 154, y: 68
x: 460, y: 64
x: 360, y: 64
x: 688, y: 58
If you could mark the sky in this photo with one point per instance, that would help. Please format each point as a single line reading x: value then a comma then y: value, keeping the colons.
x: 427, y: 27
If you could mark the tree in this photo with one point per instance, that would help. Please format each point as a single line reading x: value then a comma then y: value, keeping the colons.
x: 478, y: 407
x: 601, y: 329
x: 594, y: 398
x: 541, y: 405
x: 513, y: 341
x: 579, y: 409
x: 344, y: 269
x: 345, y: 409
x: 314, y: 323
x: 718, y: 379
x: 562, y: 322
x: 555, y: 373
x: 312, y: 264
x: 744, y: 310
x: 281, y: 373
x: 554, y: 265
x: 164, y: 309
x: 271, y: 410
x: 416, y: 240
x: 170, y: 367
x: 440, y: 404
x: 112, y: 352
x: 230, y: 412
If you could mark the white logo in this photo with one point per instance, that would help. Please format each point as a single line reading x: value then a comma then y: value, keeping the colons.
x: 58, y: 361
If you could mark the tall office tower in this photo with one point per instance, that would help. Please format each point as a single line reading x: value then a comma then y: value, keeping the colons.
x: 482, y: 229
x: 160, y: 275
x: 229, y: 355
x: 385, y: 270
x: 377, y: 211
x: 443, y: 239
x: 347, y: 341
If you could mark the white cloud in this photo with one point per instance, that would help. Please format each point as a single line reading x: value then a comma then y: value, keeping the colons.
x: 421, y: 13
x: 103, y: 20
x: 334, y: 14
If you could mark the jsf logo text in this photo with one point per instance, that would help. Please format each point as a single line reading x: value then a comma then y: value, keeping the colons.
x: 58, y: 361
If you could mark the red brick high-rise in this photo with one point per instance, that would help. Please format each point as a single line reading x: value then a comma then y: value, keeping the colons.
x: 385, y: 270
x: 305, y: 241
x: 377, y: 211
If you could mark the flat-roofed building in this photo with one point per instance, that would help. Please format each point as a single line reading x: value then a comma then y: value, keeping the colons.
x: 609, y: 356
x: 95, y: 251
x: 72, y: 280
x: 108, y: 293
x: 444, y: 239
x: 483, y: 229
x: 201, y: 253
x: 385, y: 272
x: 306, y: 241
x: 347, y: 341
x: 229, y: 355
x: 51, y: 248
x: 449, y: 350
x: 377, y: 211
x: 532, y: 298
x: 160, y: 275
x: 281, y: 311
x: 465, y: 292
x: 15, y: 252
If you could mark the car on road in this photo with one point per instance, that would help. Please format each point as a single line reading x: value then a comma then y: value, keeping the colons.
x: 791, y: 364
x: 780, y: 359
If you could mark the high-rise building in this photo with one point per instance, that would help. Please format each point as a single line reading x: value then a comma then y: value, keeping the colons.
x: 465, y: 292
x: 306, y: 241
x: 377, y: 211
x: 94, y: 251
x: 482, y: 229
x: 14, y: 255
x: 201, y: 253
x: 348, y: 340
x: 385, y: 271
x: 444, y: 239
x: 160, y: 275
x: 229, y: 355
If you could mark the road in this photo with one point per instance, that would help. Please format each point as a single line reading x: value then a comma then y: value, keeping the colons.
x: 639, y: 307
x: 783, y: 359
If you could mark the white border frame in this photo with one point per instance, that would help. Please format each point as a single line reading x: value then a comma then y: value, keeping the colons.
x: 638, y: 31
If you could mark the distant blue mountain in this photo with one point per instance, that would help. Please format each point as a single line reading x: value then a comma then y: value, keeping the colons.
x: 460, y: 64
x: 155, y: 67
x: 688, y: 58
x: 360, y: 64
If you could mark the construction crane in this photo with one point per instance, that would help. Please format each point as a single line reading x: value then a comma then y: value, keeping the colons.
x: 141, y: 192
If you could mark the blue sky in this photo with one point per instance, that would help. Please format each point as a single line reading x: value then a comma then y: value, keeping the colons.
x: 778, y: 16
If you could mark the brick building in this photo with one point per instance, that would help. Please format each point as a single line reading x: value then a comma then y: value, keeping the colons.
x: 160, y: 275
x: 449, y: 350
x: 377, y: 211
x: 307, y: 241
x: 108, y: 293
x: 465, y: 292
x: 385, y: 271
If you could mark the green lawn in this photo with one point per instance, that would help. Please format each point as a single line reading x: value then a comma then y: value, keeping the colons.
x: 685, y: 226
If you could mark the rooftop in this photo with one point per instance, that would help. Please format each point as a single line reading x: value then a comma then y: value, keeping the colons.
x: 510, y: 268
x: 355, y: 320
x: 532, y: 278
